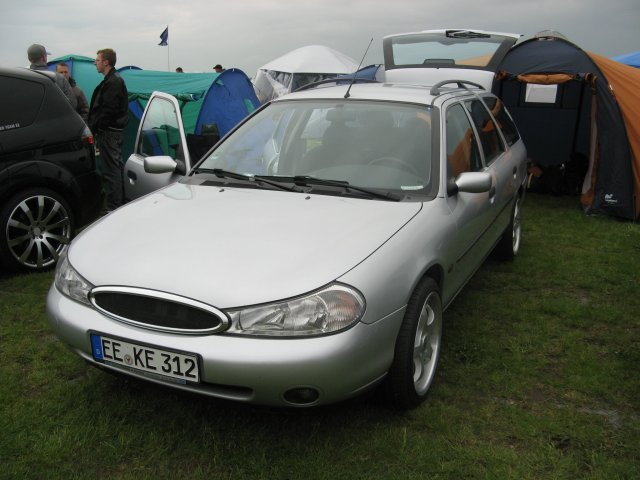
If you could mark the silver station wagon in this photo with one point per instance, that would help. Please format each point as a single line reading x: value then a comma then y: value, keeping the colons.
x: 309, y: 255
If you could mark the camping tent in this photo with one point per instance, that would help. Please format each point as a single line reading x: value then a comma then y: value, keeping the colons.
x: 300, y: 67
x: 632, y: 59
x: 370, y: 72
x: 219, y: 100
x: 571, y: 105
x: 82, y: 69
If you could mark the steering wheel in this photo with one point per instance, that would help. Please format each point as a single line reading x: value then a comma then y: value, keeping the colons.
x: 395, y: 161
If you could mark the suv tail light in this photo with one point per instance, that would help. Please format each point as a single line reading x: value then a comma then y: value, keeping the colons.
x: 87, y: 136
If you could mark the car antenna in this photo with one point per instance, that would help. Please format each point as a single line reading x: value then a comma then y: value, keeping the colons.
x: 355, y: 74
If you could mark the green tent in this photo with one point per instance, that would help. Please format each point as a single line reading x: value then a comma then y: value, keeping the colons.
x: 190, y: 89
x: 82, y: 70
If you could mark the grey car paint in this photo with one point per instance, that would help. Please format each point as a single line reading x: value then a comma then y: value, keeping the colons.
x: 197, y: 239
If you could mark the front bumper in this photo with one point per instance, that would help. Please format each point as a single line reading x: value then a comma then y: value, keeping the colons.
x: 248, y: 369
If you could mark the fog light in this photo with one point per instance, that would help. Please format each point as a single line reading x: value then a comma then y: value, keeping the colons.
x: 302, y: 396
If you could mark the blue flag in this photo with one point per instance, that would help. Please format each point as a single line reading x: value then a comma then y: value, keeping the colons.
x: 164, y: 38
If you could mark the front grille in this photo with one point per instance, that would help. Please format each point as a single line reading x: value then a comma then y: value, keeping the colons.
x: 158, y: 310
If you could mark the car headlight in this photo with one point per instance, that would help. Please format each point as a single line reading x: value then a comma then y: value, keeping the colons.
x: 329, y: 310
x: 70, y: 283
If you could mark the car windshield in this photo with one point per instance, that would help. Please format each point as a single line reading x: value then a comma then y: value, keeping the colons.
x: 438, y: 49
x: 373, y: 145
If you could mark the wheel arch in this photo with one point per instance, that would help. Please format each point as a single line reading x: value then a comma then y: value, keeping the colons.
x: 35, y: 176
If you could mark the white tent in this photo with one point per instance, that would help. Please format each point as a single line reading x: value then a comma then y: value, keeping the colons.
x: 300, y: 67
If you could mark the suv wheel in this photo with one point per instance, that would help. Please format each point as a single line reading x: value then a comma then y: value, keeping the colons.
x: 36, y: 227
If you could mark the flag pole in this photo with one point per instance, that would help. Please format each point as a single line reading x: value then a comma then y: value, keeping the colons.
x: 168, y: 47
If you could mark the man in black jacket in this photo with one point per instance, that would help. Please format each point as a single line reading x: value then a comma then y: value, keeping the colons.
x: 108, y: 115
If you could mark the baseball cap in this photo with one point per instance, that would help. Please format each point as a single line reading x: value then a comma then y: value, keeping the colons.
x: 36, y: 51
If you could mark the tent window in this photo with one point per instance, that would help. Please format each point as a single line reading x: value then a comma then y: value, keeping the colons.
x: 541, y: 93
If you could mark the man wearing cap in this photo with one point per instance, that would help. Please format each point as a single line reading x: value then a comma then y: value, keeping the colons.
x: 108, y: 115
x: 37, y: 55
x: 218, y: 68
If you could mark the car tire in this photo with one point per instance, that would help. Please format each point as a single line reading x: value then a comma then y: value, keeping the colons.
x: 509, y: 245
x: 36, y: 226
x: 417, y: 348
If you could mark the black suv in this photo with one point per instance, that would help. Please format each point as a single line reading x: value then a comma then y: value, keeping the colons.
x: 49, y: 184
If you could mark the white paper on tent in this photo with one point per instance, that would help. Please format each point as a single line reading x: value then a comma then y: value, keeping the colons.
x: 541, y: 93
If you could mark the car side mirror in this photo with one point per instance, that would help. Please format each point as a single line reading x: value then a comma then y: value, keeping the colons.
x: 160, y: 164
x: 470, y: 182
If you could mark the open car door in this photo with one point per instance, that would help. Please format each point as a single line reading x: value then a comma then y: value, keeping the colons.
x: 161, y: 141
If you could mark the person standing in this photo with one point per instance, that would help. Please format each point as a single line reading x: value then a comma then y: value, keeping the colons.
x: 37, y: 55
x: 108, y: 115
x: 83, y: 107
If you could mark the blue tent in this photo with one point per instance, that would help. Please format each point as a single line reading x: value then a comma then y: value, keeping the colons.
x: 369, y: 72
x: 229, y: 99
x: 632, y: 59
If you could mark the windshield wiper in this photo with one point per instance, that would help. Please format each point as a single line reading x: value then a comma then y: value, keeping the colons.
x: 220, y: 173
x: 307, y: 181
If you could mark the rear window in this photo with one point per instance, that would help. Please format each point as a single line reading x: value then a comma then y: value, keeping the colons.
x: 437, y: 49
x: 20, y: 102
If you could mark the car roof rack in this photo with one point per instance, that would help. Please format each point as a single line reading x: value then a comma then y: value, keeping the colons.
x: 436, y: 89
x: 342, y: 80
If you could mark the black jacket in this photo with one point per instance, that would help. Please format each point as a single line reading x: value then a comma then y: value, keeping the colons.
x: 109, y: 104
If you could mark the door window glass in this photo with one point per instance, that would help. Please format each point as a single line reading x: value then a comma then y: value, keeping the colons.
x: 462, y: 145
x: 486, y: 128
x: 506, y: 124
x: 160, y: 133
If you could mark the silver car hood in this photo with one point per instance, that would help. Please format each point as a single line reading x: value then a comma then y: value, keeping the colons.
x: 231, y: 247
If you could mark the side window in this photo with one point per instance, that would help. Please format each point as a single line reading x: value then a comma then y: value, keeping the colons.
x: 503, y: 118
x: 20, y: 107
x: 462, y: 146
x: 489, y: 137
x: 160, y: 131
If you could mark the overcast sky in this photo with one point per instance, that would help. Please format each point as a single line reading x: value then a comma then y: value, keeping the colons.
x: 249, y: 33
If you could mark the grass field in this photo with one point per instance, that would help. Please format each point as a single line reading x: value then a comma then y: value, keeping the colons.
x: 538, y: 380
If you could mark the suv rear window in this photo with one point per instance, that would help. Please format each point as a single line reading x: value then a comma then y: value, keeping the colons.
x: 20, y: 102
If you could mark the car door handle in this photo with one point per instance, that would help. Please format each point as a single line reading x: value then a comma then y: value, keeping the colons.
x: 492, y: 193
x: 132, y: 175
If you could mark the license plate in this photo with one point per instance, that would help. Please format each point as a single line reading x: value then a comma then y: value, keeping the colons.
x: 152, y: 361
